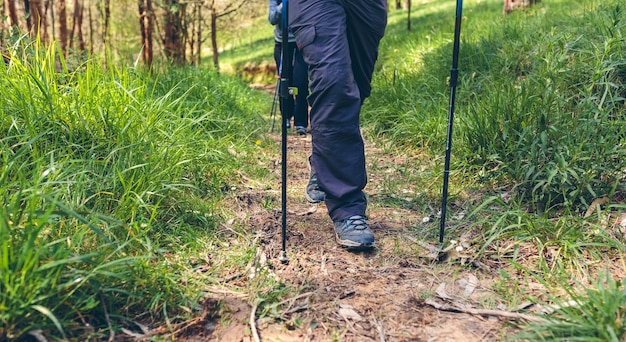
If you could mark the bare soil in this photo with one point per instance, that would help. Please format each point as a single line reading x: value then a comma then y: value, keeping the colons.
x: 390, y: 293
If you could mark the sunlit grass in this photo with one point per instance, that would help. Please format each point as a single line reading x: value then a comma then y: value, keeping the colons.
x: 112, y: 179
x: 107, y: 175
x: 590, y: 314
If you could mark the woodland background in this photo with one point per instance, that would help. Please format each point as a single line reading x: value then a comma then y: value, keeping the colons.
x: 176, y: 31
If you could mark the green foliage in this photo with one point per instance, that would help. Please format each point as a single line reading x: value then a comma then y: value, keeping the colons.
x: 596, y: 314
x: 540, y: 100
x: 97, y: 166
x: 552, y: 123
x: 110, y: 177
x: 563, y: 244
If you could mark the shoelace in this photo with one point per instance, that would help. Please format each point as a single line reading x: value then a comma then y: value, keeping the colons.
x: 313, y: 182
x: 355, y: 223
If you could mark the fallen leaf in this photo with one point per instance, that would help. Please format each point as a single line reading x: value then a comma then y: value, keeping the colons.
x: 472, y: 283
x: 595, y: 204
x: 132, y: 334
x: 38, y: 335
x: 523, y: 306
x: 441, y: 291
x: 347, y: 312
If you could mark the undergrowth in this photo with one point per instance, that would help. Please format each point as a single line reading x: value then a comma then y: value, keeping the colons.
x: 108, y: 176
x: 111, y: 178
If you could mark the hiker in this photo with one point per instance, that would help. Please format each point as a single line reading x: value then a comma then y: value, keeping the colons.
x: 339, y: 42
x: 299, y: 77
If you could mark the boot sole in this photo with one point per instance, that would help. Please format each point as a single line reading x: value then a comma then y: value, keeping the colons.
x: 309, y: 199
x: 351, y: 245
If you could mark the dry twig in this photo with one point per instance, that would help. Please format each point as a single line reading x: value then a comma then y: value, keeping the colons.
x: 309, y: 211
x: 255, y: 333
x: 483, y: 312
x: 186, y: 325
x: 379, y: 327
x: 106, y: 317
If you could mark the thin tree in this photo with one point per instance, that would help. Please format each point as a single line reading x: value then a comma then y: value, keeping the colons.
x: 47, y: 6
x: 214, y: 15
x: 76, y: 35
x: 62, y: 12
x: 195, y: 43
x: 407, y: 5
x: 29, y: 18
x: 174, y: 31
x: 3, y: 52
x: 146, y: 24
x: 37, y: 19
x: 105, y: 28
x: 12, y: 13
x: 91, y: 30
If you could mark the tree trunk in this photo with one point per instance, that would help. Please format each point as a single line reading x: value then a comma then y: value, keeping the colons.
x: 216, y: 63
x: 230, y: 8
x: 62, y: 26
x: 77, y: 25
x: 190, y: 39
x: 146, y: 25
x: 173, y: 39
x: 408, y: 18
x: 105, y: 29
x: 12, y: 13
x: 50, y: 7
x: 3, y: 51
x: 91, y: 31
x: 37, y: 19
x: 199, y: 34
x: 29, y: 18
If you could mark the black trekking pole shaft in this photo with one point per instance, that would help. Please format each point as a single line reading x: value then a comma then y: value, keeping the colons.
x: 454, y: 75
x: 286, y: 110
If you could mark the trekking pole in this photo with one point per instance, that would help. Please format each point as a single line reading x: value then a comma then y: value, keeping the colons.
x: 274, y: 100
x: 286, y: 111
x: 454, y: 75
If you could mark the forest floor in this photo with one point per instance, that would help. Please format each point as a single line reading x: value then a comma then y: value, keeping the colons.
x: 395, y: 292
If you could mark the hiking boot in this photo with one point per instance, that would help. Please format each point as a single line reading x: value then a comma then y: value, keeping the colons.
x: 353, y: 232
x: 312, y: 192
x: 301, y: 130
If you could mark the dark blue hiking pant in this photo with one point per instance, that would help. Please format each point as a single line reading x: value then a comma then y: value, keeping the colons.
x: 339, y: 42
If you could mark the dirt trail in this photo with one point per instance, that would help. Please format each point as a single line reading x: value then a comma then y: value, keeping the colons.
x: 379, y: 295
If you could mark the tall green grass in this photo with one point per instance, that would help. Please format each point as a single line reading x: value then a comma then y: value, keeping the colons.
x: 540, y: 114
x: 553, y: 119
x: 541, y: 96
x: 593, y: 314
x: 103, y: 172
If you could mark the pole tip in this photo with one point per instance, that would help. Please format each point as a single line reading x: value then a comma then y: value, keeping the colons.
x: 443, y: 253
x: 283, y: 257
